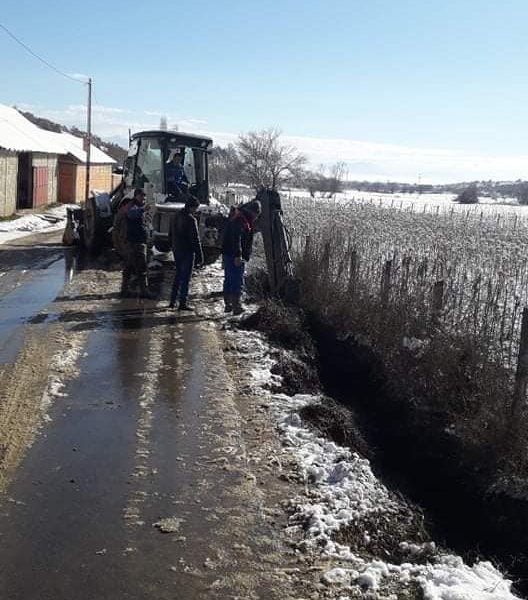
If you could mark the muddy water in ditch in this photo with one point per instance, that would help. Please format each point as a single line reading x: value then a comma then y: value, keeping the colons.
x: 119, y: 455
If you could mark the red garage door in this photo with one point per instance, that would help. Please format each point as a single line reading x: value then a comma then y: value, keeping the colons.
x: 40, y: 186
x: 66, y: 182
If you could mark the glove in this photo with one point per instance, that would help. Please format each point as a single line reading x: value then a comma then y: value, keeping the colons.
x: 237, y: 261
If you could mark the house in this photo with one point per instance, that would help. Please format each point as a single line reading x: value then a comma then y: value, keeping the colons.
x: 28, y: 163
x: 39, y: 167
x: 72, y: 169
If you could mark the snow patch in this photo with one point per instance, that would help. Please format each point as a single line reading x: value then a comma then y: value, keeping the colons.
x: 52, y: 220
x: 62, y: 365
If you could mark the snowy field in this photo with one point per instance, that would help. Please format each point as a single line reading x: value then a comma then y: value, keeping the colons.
x: 427, y: 203
x: 509, y: 208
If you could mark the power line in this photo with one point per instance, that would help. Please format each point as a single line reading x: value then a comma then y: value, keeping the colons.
x: 42, y: 60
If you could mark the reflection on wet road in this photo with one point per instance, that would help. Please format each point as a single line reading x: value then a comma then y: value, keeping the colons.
x: 31, y: 276
x: 122, y: 496
x: 25, y: 301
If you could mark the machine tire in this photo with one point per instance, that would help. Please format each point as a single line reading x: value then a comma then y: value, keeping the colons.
x: 162, y: 246
x: 93, y: 230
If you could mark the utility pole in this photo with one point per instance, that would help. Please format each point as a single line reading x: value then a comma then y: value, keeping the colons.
x: 88, y: 140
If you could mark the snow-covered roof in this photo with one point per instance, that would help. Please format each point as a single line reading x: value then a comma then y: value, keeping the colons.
x: 74, y: 145
x: 20, y: 135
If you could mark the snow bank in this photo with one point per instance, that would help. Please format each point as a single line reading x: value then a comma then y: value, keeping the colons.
x: 53, y: 219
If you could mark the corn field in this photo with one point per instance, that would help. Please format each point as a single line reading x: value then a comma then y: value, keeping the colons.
x: 464, y: 273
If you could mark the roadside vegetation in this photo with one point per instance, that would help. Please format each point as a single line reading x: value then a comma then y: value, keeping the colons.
x: 438, y: 299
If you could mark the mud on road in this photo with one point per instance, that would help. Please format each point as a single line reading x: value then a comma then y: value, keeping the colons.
x: 134, y: 460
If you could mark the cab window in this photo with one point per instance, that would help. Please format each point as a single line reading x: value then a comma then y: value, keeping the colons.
x: 188, y: 165
x: 149, y: 164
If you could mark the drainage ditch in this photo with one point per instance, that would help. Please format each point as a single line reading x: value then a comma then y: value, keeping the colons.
x: 423, y: 463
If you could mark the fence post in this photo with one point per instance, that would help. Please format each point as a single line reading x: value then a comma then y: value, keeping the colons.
x: 353, y: 272
x: 325, y: 262
x: 521, y: 374
x: 438, y: 301
x: 307, y: 249
x: 405, y: 264
x: 386, y: 282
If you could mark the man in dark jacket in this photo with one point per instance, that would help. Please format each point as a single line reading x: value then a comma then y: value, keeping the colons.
x: 120, y: 243
x: 236, y: 251
x: 185, y: 242
x: 137, y: 243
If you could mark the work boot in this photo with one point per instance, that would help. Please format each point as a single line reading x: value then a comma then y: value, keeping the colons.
x: 185, y: 307
x: 125, y: 291
x: 228, y: 302
x: 145, y: 291
x: 238, y: 309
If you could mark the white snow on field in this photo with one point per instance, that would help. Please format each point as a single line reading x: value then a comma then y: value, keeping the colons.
x: 429, y: 203
x: 340, y: 488
x: 53, y: 219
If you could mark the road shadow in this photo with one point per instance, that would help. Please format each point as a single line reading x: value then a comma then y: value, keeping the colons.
x: 121, y: 318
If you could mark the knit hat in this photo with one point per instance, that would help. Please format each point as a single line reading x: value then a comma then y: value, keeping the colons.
x: 192, y: 202
x: 253, y: 207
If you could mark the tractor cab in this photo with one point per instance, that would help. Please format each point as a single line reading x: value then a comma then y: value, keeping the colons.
x: 171, y: 166
x: 168, y: 165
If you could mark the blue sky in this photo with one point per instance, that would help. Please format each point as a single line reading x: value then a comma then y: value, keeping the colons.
x: 397, y: 89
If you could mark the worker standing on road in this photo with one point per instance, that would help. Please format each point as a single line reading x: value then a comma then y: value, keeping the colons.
x: 185, y: 242
x: 137, y: 243
x: 120, y: 243
x: 236, y: 251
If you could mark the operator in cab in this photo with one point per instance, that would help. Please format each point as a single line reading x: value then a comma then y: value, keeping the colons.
x: 177, y: 181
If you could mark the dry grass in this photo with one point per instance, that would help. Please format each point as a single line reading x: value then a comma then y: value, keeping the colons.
x: 371, y: 273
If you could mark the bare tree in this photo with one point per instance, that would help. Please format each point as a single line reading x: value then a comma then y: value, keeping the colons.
x: 225, y: 166
x: 265, y: 161
x: 325, y: 180
x: 338, y: 172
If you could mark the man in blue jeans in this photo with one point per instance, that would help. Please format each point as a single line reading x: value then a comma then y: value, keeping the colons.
x: 185, y: 242
x: 236, y: 251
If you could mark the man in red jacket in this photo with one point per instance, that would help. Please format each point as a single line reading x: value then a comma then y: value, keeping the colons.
x: 236, y: 251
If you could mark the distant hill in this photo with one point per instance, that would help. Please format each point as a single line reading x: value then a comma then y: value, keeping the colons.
x: 493, y: 189
x: 118, y: 153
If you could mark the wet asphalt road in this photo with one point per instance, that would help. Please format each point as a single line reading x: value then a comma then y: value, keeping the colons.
x: 134, y: 439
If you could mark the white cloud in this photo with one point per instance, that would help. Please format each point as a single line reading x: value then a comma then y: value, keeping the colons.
x: 368, y: 160
x: 365, y: 160
x: 79, y: 76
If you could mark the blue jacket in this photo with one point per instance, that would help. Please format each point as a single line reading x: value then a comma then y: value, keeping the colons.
x: 136, y: 230
x: 175, y: 175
